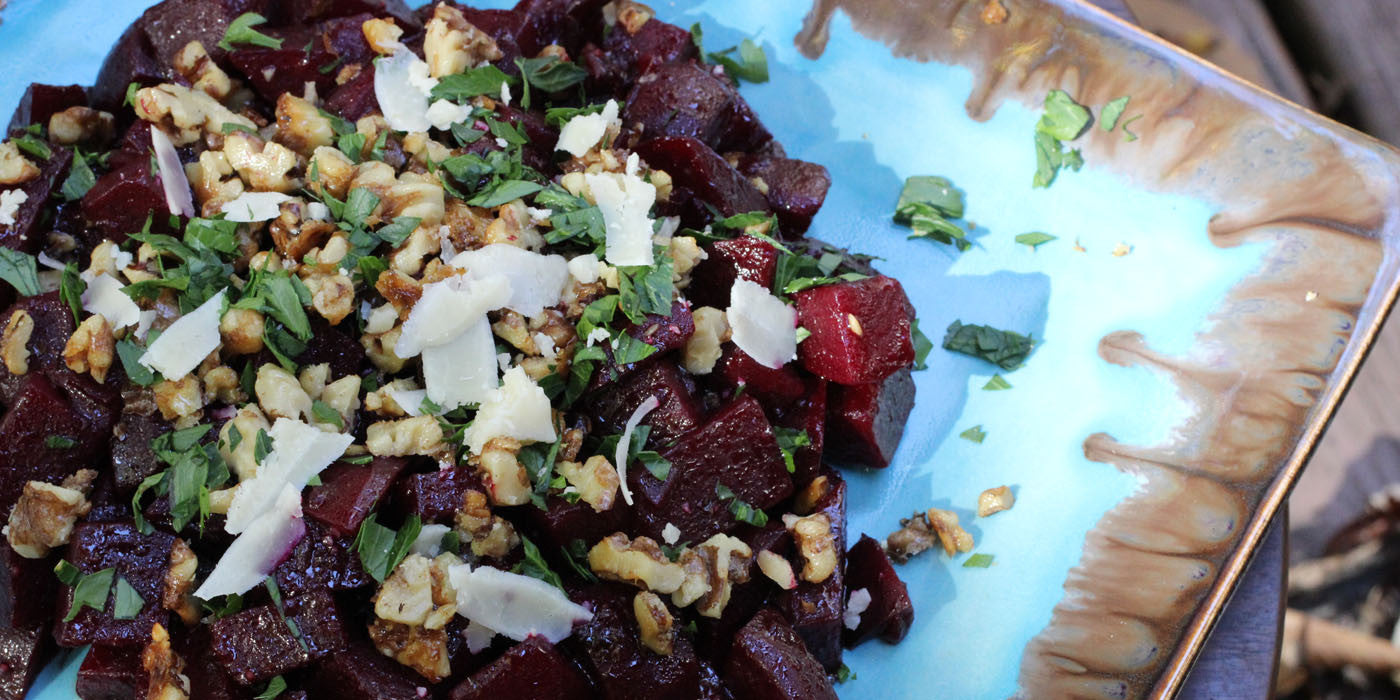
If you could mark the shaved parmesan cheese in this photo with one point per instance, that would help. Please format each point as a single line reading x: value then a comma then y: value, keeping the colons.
x: 585, y: 268
x: 536, y: 281
x: 143, y: 326
x: 318, y: 211
x: 447, y: 308
x: 463, y: 370
x: 410, y: 400
x: 624, y: 443
x: 9, y: 205
x: 597, y: 335
x: 478, y: 636
x: 256, y: 552
x: 518, y: 409
x: 172, y: 175
x: 763, y: 325
x: 255, y: 206
x: 104, y: 296
x: 858, y: 603
x: 299, y: 452
x: 443, y: 114
x: 625, y: 201
x: 401, y: 85
x: 670, y: 534
x: 514, y: 605
x: 538, y: 216
x: 545, y: 345
x: 187, y: 341
x: 429, y: 541
x: 503, y: 359
x: 505, y: 93
x: 583, y: 132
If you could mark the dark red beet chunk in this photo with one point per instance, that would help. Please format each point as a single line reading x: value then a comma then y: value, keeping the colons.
x: 701, y: 179
x: 796, y: 189
x: 132, y: 457
x: 321, y: 561
x: 666, y: 332
x: 808, y: 415
x: 531, y: 670
x: 355, y: 98
x: 42, y: 101
x: 681, y: 99
x: 677, y: 412
x: 207, y: 677
x: 23, y: 654
x: 38, y: 413
x: 817, y: 610
x: 345, y: 37
x: 310, y: 11
x: 865, y: 422
x: 434, y: 496
x: 112, y: 673
x: 332, y: 346
x: 122, y: 199
x: 774, y: 387
x: 615, y: 658
x: 140, y: 559
x: 714, y: 637
x: 565, y: 522
x: 25, y: 234
x: 744, y: 257
x: 349, y: 492
x: 737, y: 449
x: 868, y: 349
x: 255, y: 645
x: 769, y: 662
x: 274, y: 71
x: 362, y: 673
x: 26, y: 590
x: 890, y: 613
x: 624, y: 56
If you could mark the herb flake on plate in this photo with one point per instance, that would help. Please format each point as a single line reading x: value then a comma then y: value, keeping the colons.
x: 1005, y: 349
x: 974, y: 434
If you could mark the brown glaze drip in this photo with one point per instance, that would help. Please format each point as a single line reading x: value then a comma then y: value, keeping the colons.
x: 1156, y: 567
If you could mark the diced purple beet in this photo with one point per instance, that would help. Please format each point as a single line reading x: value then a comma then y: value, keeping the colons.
x: 42, y: 101
x: 312, y: 11
x: 735, y: 448
x: 26, y: 590
x: 130, y: 60
x: 355, y: 98
x: 121, y: 201
x: 769, y: 662
x: 38, y: 413
x: 256, y: 644
x: 817, y: 610
x: 93, y: 404
x: 665, y: 333
x: 564, y: 522
x: 677, y: 412
x: 702, y: 181
x: 773, y: 387
x: 808, y: 415
x: 866, y: 422
x: 561, y: 22
x: 112, y: 673
x: 796, y: 189
x: 140, y: 559
x: 345, y: 38
x: 360, y: 672
x: 860, y: 331
x: 530, y: 670
x: 744, y: 257
x: 501, y: 25
x: 208, y: 680
x: 714, y: 636
x: 614, y: 657
x: 433, y: 496
x: 172, y: 24
x: 332, y: 346
x: 272, y: 72
x: 321, y: 561
x: 624, y: 56
x: 23, y: 653
x: 542, y: 137
x: 349, y: 492
x: 132, y: 457
x: 890, y: 612
x: 25, y: 233
x: 320, y: 621
x: 685, y: 99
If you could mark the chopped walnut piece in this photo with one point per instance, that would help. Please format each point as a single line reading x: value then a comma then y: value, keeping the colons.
x: 165, y: 678
x: 451, y: 44
x: 816, y: 542
x: 778, y: 569
x: 419, y: 435
x: 264, y: 165
x: 332, y: 295
x: 213, y: 182
x: 301, y: 126
x: 177, y: 595
x: 727, y: 561
x: 221, y: 384
x: 44, y: 515
x: 632, y: 16
x: 379, y: 347
x: 180, y: 400
x: 596, y: 480
x: 702, y: 350
x: 512, y: 328
x: 914, y: 536
x: 994, y: 12
x: 242, y: 330
x: 490, y: 535
x: 995, y: 500
x: 504, y: 475
x: 685, y: 254
x: 654, y: 621
x: 412, y: 609
x: 950, y: 533
x: 811, y: 494
x: 400, y: 290
x: 697, y: 578
x: 91, y: 347
x: 329, y: 171
x: 79, y: 124
x: 382, y: 35
x: 14, y: 167
x: 407, y: 595
x: 189, y: 112
x: 420, y: 649
x: 280, y: 394
x: 639, y: 562
x: 193, y: 64
x: 242, y: 458
x: 14, y: 342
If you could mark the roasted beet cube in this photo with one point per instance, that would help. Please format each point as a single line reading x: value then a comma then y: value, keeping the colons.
x: 809, y: 416
x: 562, y: 22
x: 739, y: 258
x: 256, y: 644
x: 345, y: 38
x: 355, y: 98
x: 735, y: 448
x: 860, y: 330
x: 701, y: 180
x: 773, y: 387
x: 625, y: 55
x: 38, y: 413
x: 130, y: 60
x: 348, y: 492
x: 311, y: 11
x: 321, y: 561
x: 122, y: 199
x: 208, y: 680
x: 275, y: 71
x: 796, y: 189
x: 865, y: 422
x: 140, y: 559
x: 360, y: 672
x: 677, y: 412
x: 665, y: 332
x: 890, y: 612
x: 332, y: 346
x: 769, y: 662
x: 23, y: 654
x: 680, y: 99
x: 563, y: 522
x: 817, y: 610
x: 531, y: 670
x: 434, y: 496
x: 42, y: 101
x: 112, y: 673
x: 132, y: 458
x: 25, y: 234
x: 714, y: 637
x: 615, y: 658
x: 26, y: 590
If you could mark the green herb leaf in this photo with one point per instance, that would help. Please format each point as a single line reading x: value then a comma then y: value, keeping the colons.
x: 130, y: 354
x: 789, y: 441
x: 398, y: 231
x: 576, y: 556
x: 217, y: 235
x: 932, y: 190
x: 559, y: 116
x: 844, y: 674
x: 927, y: 222
x: 155, y: 482
x: 549, y: 74
x: 505, y: 191
x: 802, y: 334
x: 371, y: 268
x: 230, y: 127
x: 646, y: 290
x: 1128, y: 135
x: 742, y: 511
x: 460, y: 87
x: 922, y: 346
x: 538, y: 461
x: 1006, y: 349
x: 80, y: 179
x: 20, y: 270
x: 451, y: 542
x: 262, y: 447
x: 70, y: 290
x: 751, y: 64
x: 996, y: 383
x: 1034, y: 238
x: 974, y: 434
x: 91, y: 591
x: 534, y: 565
x: 629, y: 350
x: 359, y: 204
x: 67, y: 573
x: 33, y: 145
x: 697, y: 37
x: 131, y: 90
x: 978, y: 561
x: 59, y: 442
x: 1064, y: 119
x: 1108, y: 116
x: 240, y: 31
x: 802, y: 283
x: 128, y: 603
x: 323, y: 413
x: 275, y: 687
x: 381, y: 549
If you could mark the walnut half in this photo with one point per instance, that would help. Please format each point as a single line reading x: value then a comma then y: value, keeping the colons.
x: 639, y: 562
x: 654, y: 621
x: 44, y: 516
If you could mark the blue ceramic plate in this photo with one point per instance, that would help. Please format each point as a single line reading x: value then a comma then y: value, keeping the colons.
x: 1212, y: 286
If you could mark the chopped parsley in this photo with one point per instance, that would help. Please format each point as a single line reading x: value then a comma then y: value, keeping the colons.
x: 1108, y: 116
x: 548, y: 74
x: 70, y: 290
x: 130, y: 354
x: 742, y: 510
x: 1063, y: 120
x: 32, y: 144
x: 978, y: 561
x: 576, y: 556
x: 534, y: 565
x: 381, y: 548
x: 194, y: 468
x: 20, y: 270
x: 745, y: 62
x: 844, y: 674
x: 1034, y: 239
x: 275, y: 687
x: 89, y: 590
x: 927, y: 204
x: 80, y: 178
x: 59, y: 442
x: 922, y: 346
x: 241, y: 31
x: 474, y: 82
x: 974, y: 434
x: 127, y: 603
x: 1005, y: 349
x: 790, y: 440
x: 996, y: 383
x: 323, y: 413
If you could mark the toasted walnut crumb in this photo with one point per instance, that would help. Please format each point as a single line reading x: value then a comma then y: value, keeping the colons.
x: 242, y: 458
x: 816, y: 542
x: 419, y: 435
x: 165, y: 678
x: 280, y: 394
x: 400, y: 290
x: 14, y: 342
x: 778, y: 569
x: 810, y: 495
x: 14, y: 167
x: 90, y: 348
x: 222, y: 385
x: 995, y: 500
x: 180, y: 400
x: 513, y: 226
x: 685, y: 254
x: 44, y: 515
x: 301, y: 126
x: 242, y: 331
x: 211, y: 178
x: 596, y: 480
x: 451, y: 44
x: 412, y: 609
x: 511, y: 327
x: 702, y: 350
x: 186, y: 112
x: 333, y: 172
x: 639, y: 562
x: 490, y: 535
x: 914, y: 536
x: 342, y: 396
x: 504, y: 475
x: 632, y: 16
x: 408, y: 257
x: 407, y: 595
x: 950, y: 533
x: 379, y: 347
x: 176, y: 595
x: 265, y: 165
x: 193, y: 63
x: 654, y: 621
x: 422, y: 650
x: 382, y: 35
x: 726, y: 561
x: 332, y: 295
x: 994, y: 12
x: 79, y: 124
